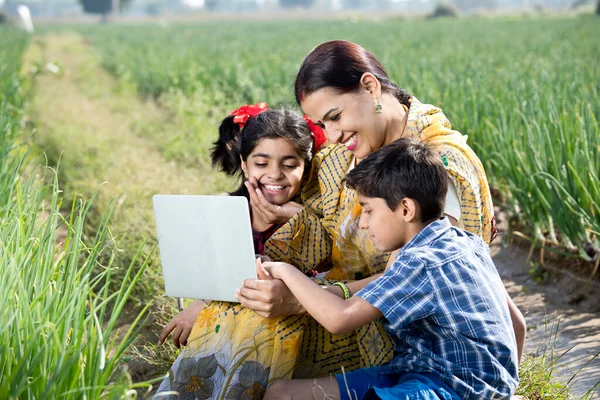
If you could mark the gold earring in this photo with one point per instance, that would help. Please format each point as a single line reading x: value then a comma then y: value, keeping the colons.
x: 378, y: 107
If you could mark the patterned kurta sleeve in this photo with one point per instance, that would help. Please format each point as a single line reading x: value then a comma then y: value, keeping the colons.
x: 304, y: 240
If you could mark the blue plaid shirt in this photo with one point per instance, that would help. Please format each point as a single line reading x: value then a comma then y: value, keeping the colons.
x: 447, y: 313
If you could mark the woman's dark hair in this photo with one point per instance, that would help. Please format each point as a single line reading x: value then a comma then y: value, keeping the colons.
x: 234, y: 141
x: 403, y: 168
x: 340, y: 65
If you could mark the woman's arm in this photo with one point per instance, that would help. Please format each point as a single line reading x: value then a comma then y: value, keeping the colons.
x: 452, y: 220
x: 519, y: 325
x: 355, y: 286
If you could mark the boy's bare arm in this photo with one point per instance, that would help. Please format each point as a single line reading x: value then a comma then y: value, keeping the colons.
x: 337, y: 315
x: 270, y: 297
x: 355, y: 286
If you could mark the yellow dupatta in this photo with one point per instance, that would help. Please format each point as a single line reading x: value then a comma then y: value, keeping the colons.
x: 429, y: 125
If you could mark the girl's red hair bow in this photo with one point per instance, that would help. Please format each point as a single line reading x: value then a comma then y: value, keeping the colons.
x: 242, y: 114
x: 317, y: 133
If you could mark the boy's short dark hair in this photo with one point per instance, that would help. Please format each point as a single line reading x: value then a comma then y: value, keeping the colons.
x: 404, y: 168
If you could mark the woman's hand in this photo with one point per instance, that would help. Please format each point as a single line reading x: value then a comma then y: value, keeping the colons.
x: 270, y: 213
x: 181, y: 325
x: 268, y: 297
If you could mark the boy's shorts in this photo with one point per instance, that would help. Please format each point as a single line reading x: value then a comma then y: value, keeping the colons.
x: 371, y: 383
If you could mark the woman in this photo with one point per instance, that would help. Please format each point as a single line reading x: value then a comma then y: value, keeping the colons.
x: 343, y: 88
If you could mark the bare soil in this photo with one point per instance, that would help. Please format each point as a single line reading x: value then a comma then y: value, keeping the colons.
x: 562, y: 312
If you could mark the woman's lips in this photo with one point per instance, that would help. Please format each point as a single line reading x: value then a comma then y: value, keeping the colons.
x: 351, y: 142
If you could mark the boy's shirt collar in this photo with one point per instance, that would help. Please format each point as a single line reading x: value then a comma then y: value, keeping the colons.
x: 433, y: 230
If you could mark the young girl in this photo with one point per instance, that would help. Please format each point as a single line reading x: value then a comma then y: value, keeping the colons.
x: 272, y: 149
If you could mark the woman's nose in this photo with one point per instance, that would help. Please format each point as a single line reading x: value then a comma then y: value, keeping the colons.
x: 332, y: 133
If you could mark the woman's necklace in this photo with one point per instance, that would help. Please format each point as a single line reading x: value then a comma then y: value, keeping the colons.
x: 355, y: 161
x: 403, y: 132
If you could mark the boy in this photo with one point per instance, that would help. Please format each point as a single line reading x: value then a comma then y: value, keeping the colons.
x: 442, y: 298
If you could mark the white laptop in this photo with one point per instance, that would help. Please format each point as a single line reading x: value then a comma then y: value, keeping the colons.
x: 205, y: 244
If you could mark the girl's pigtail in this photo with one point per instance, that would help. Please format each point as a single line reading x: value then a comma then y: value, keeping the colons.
x: 224, y: 153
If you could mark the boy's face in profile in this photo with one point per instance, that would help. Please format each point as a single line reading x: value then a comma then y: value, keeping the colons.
x: 387, y: 227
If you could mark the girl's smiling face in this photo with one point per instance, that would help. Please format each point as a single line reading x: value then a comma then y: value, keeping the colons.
x: 278, y: 168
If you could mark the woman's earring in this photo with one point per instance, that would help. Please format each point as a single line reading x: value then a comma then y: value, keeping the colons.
x: 378, y: 108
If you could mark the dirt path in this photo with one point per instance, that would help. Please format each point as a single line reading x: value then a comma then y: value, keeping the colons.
x: 101, y: 133
x: 565, y: 300
x: 80, y: 108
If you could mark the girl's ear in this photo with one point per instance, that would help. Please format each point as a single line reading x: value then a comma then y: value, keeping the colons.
x: 370, y: 83
x: 244, y: 167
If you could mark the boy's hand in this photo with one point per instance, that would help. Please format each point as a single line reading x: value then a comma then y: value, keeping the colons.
x: 261, y: 272
x: 270, y: 213
x: 275, y: 269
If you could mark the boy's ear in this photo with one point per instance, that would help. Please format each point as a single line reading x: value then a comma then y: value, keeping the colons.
x: 410, y: 210
x: 244, y: 167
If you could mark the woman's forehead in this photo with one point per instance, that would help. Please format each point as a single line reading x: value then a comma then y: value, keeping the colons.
x: 318, y: 103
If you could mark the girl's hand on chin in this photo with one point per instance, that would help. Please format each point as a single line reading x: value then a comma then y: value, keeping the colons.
x: 270, y: 213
